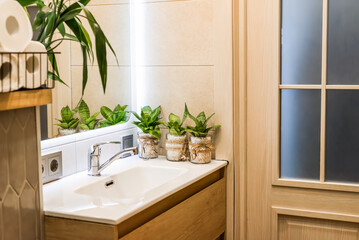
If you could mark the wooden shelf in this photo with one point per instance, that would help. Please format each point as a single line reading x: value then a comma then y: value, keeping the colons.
x: 24, y: 99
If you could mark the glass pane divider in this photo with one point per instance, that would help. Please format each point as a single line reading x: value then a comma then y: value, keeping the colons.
x: 323, y: 89
x: 300, y: 86
x: 344, y: 87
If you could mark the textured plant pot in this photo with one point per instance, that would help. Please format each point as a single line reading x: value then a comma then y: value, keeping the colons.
x: 201, y: 149
x: 148, y: 146
x: 65, y: 132
x: 176, y: 148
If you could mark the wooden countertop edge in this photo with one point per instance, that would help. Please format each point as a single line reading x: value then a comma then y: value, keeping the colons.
x: 25, y: 99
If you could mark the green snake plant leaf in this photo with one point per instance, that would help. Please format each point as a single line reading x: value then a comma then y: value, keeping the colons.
x: 149, y: 121
x: 107, y: 113
x: 156, y: 133
x: 200, y: 129
x: 63, y: 125
x: 146, y: 112
x: 155, y: 113
x: 84, y: 126
x: 66, y: 114
x: 84, y: 111
x: 174, y: 118
x: 137, y: 116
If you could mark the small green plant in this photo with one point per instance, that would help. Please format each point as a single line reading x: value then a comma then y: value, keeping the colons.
x: 88, y: 122
x: 117, y: 116
x: 149, y: 121
x: 68, y: 121
x: 201, y: 121
x: 174, y: 124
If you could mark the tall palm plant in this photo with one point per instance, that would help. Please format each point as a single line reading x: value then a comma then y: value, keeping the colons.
x: 54, y: 17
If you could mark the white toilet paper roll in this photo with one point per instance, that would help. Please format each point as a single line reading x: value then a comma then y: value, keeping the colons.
x: 9, y: 74
x: 35, y: 73
x: 15, y: 27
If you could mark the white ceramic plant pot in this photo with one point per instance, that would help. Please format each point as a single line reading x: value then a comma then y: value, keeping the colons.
x: 148, y: 145
x: 65, y: 132
x: 176, y: 147
x: 201, y: 149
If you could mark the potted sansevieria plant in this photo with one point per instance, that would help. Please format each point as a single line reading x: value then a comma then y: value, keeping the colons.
x: 117, y: 116
x: 176, y: 143
x: 68, y: 123
x: 200, y: 145
x: 149, y: 137
x: 87, y: 122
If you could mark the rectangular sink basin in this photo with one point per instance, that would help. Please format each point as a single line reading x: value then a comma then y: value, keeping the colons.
x: 131, y: 185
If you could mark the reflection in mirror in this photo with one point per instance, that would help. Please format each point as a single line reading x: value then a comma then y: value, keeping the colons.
x: 87, y: 114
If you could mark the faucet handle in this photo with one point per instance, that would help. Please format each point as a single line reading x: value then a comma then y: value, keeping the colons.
x: 96, y: 146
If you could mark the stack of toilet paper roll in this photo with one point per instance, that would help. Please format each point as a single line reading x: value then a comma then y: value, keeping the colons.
x: 20, y: 67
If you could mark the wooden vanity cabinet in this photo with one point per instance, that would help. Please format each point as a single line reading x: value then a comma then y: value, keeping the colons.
x: 195, y: 212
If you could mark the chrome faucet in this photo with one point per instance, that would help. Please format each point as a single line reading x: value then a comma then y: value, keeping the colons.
x: 94, y: 167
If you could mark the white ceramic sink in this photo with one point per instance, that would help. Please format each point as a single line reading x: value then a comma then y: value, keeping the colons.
x: 125, y: 188
x: 131, y: 185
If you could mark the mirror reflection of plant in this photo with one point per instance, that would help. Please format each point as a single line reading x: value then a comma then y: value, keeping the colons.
x: 201, y: 121
x: 88, y: 122
x: 117, y: 116
x: 174, y: 124
x: 68, y: 121
x: 57, y: 16
x: 149, y: 121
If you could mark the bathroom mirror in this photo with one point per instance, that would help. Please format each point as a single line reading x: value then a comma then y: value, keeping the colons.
x: 115, y: 23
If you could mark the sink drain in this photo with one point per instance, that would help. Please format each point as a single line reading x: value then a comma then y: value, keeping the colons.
x: 109, y: 184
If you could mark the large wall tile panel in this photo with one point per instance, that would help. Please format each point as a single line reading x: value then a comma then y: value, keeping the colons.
x: 19, y: 176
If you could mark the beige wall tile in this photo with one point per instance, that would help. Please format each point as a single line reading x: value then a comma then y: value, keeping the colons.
x: 177, y: 33
x: 171, y: 87
x: 11, y: 214
x: 28, y: 213
x: 115, y: 22
x: 16, y: 151
x: 117, y: 92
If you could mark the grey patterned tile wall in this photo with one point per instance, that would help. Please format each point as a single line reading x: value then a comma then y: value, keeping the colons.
x: 19, y: 176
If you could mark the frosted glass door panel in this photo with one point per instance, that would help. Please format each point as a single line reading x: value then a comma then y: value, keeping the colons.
x: 301, y: 41
x: 300, y: 134
x: 343, y: 42
x: 342, y: 136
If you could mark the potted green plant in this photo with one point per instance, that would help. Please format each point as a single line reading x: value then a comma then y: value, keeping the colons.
x: 149, y: 137
x: 200, y: 146
x: 117, y: 116
x: 176, y: 143
x: 68, y: 123
x: 88, y: 122
x: 66, y: 19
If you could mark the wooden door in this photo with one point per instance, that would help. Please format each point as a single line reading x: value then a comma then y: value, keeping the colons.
x: 290, y: 186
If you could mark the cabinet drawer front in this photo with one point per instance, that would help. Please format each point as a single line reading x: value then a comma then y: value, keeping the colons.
x: 202, y: 216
